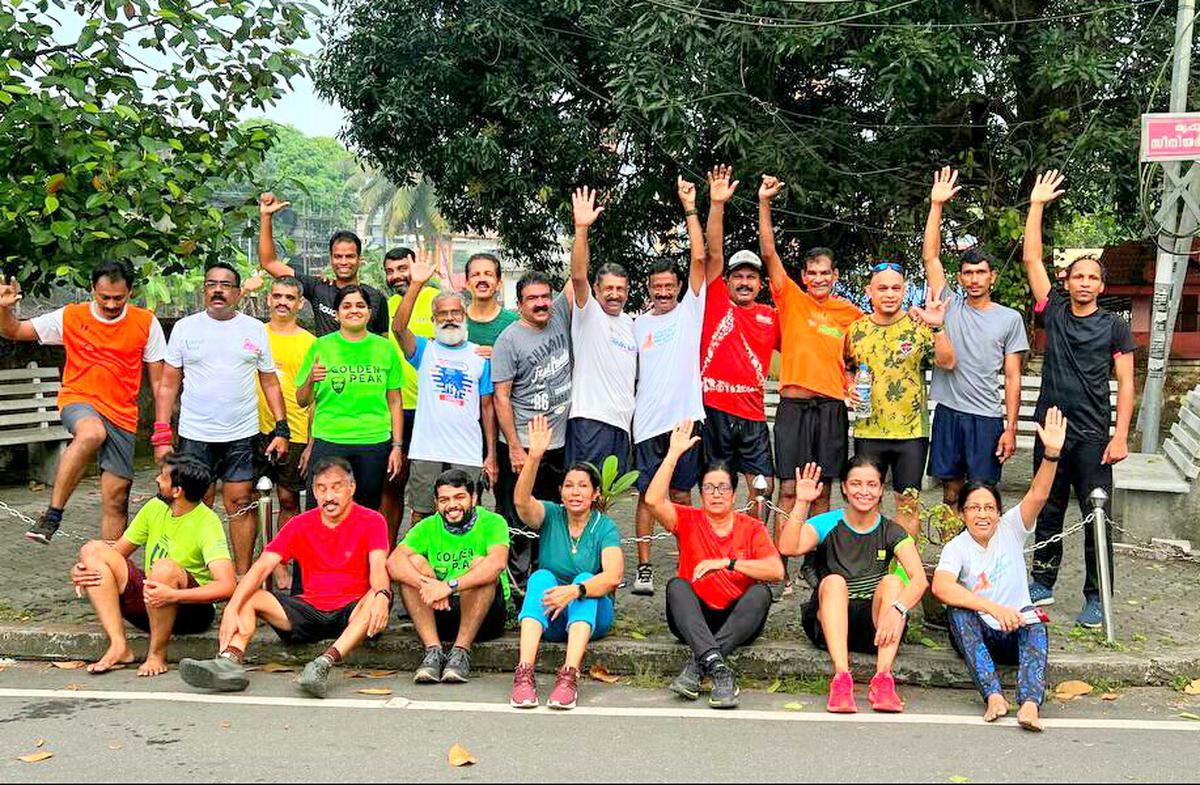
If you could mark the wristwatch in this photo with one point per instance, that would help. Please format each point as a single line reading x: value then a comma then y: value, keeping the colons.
x: 453, y: 584
x: 901, y: 607
x: 732, y: 562
x: 582, y: 590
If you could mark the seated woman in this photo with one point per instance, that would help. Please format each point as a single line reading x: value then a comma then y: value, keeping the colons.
x: 719, y: 599
x: 570, y: 596
x: 981, y: 578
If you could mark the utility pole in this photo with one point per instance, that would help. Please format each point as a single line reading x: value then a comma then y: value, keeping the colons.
x: 1177, y: 219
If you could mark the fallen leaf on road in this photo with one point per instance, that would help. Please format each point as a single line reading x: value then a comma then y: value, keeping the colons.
x: 227, y: 725
x: 68, y: 665
x: 775, y: 687
x: 1109, y: 696
x: 1070, y: 690
x: 372, y: 674
x: 637, y: 636
x: 73, y: 687
x: 36, y: 757
x: 275, y: 667
x: 115, y: 746
x: 40, y: 743
x: 1187, y: 715
x: 958, y: 778
x: 1193, y: 688
x: 375, y: 691
x: 600, y: 673
x: 460, y: 756
x: 793, y: 706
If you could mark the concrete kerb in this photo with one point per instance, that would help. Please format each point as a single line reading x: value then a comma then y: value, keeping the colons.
x: 621, y: 656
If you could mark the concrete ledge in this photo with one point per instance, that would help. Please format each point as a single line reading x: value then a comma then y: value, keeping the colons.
x: 400, y: 651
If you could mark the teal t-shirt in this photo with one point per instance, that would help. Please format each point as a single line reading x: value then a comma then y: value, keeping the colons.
x: 486, y: 333
x: 351, y: 402
x: 451, y: 554
x: 555, y: 554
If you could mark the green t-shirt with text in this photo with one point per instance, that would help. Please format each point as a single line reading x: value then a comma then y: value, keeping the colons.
x: 351, y: 402
x: 451, y: 554
x: 193, y: 541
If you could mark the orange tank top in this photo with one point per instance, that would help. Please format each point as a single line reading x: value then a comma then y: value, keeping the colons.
x: 104, y: 362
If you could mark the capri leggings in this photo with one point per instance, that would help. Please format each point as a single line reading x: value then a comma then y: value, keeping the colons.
x: 982, y: 647
x: 597, y: 612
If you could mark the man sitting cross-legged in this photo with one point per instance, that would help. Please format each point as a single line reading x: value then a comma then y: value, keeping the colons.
x: 341, y: 548
x: 450, y: 568
x: 188, y: 568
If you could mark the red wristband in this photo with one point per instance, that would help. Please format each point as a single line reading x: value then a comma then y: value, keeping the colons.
x: 163, y: 435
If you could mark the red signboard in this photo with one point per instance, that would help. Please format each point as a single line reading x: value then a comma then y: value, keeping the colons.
x: 1171, y: 137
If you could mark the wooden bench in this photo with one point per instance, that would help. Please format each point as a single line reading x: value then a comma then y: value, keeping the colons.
x: 29, y: 415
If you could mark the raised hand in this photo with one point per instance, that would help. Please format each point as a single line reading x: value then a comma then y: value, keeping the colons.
x: 583, y: 205
x: 687, y: 193
x: 269, y: 204
x: 318, y: 372
x: 422, y: 268
x: 1053, y: 433
x: 720, y: 187
x: 10, y: 293
x: 539, y: 434
x: 934, y: 312
x: 945, y: 185
x: 770, y: 188
x: 681, y: 438
x: 808, y: 483
x: 1046, y: 189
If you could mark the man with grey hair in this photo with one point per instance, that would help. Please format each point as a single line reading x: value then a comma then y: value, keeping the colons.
x: 455, y: 417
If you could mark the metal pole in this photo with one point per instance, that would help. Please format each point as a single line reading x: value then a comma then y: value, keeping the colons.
x: 1104, y: 566
x: 1164, y: 275
x: 265, y: 519
x: 760, y: 496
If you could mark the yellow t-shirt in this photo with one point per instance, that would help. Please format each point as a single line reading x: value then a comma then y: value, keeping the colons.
x: 897, y: 355
x: 421, y: 325
x: 288, y: 352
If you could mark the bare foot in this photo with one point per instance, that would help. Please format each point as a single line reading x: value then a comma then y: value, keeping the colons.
x: 1029, y: 717
x: 116, y: 656
x: 155, y: 665
x: 997, y: 707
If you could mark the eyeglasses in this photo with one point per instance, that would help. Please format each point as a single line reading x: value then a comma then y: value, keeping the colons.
x: 981, y: 508
x: 717, y: 489
x: 220, y: 285
x: 878, y: 268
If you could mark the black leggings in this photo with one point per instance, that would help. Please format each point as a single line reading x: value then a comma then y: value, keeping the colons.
x: 369, y: 463
x: 706, y: 629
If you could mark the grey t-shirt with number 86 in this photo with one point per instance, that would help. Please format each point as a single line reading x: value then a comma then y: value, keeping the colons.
x: 538, y: 363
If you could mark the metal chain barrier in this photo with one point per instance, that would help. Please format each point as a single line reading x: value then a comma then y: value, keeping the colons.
x: 5, y: 507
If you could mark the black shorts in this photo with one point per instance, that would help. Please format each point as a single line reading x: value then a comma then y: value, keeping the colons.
x: 963, y: 445
x: 285, y: 473
x: 648, y: 456
x: 229, y: 461
x: 410, y: 421
x: 904, y: 458
x: 860, y: 631
x: 811, y: 430
x: 309, y: 624
x: 745, y: 445
x: 493, y: 626
x: 592, y: 441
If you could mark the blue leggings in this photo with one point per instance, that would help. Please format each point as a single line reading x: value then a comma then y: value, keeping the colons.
x: 597, y: 612
x: 982, y: 647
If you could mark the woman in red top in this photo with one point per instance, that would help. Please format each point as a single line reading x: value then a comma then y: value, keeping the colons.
x: 719, y: 599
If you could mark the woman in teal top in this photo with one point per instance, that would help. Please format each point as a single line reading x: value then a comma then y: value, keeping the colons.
x: 355, y: 377
x: 570, y: 597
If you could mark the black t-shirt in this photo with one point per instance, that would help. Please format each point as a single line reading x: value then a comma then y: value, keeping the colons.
x: 321, y: 295
x: 1080, y: 356
x: 862, y: 558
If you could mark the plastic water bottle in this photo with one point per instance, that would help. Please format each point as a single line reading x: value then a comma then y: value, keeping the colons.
x: 862, y: 384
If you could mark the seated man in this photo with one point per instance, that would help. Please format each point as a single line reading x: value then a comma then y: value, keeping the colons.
x: 188, y: 568
x: 342, y: 552
x: 450, y: 568
x: 861, y: 602
x: 719, y: 600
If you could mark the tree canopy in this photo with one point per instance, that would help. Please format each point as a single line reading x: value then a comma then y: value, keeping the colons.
x: 316, y: 173
x: 509, y: 105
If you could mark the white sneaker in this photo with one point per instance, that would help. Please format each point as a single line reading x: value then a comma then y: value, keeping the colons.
x: 644, y: 582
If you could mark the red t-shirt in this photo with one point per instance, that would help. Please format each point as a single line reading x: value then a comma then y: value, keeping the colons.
x: 333, y: 561
x: 735, y: 352
x: 697, y: 541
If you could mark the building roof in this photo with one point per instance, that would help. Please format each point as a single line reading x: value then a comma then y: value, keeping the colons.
x: 1132, y: 263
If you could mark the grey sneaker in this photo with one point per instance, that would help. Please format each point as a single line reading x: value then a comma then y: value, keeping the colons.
x: 220, y: 674
x: 1092, y: 615
x: 458, y: 667
x: 725, y: 689
x: 687, y: 683
x: 315, y: 678
x: 430, y: 670
x: 43, y: 531
x: 644, y: 582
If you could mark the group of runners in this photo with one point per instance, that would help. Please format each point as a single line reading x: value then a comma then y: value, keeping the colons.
x: 427, y: 395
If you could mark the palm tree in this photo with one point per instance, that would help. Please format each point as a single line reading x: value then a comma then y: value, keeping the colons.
x: 408, y: 210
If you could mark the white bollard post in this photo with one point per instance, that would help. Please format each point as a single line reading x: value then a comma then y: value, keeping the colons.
x: 266, y: 520
x: 760, y: 496
x: 1100, y: 521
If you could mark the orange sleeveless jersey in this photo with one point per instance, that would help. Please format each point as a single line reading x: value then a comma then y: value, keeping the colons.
x: 104, y: 362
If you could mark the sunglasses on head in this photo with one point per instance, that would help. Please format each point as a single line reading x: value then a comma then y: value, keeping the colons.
x: 878, y: 268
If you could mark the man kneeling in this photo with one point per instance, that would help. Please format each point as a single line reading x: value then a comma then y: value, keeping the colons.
x: 450, y: 568
x: 860, y: 604
x: 341, y: 548
x: 188, y: 568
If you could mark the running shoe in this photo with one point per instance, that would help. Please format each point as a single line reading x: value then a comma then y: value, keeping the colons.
x: 687, y: 683
x: 841, y: 694
x: 524, y: 690
x: 1040, y: 594
x: 314, y: 679
x: 220, y: 674
x: 430, y: 671
x: 882, y: 693
x: 1092, y: 615
x: 43, y: 531
x: 725, y: 688
x: 458, y: 667
x: 644, y: 582
x: 566, y: 689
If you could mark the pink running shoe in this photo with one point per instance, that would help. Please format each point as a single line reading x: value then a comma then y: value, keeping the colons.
x: 524, y: 690
x: 841, y: 694
x: 566, y: 689
x: 882, y: 693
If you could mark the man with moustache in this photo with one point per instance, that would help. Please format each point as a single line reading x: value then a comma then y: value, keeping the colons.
x: 224, y: 356
x: 455, y: 417
x: 602, y: 387
x: 486, y: 317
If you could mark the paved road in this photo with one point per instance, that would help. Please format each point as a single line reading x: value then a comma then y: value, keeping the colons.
x: 119, y: 728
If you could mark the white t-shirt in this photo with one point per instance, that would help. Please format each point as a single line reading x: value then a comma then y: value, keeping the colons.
x: 221, y: 361
x: 997, y: 572
x: 49, y: 329
x: 605, y: 364
x: 668, y: 388
x: 450, y: 382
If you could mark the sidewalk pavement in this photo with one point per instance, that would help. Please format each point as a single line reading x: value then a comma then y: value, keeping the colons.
x: 1156, y: 613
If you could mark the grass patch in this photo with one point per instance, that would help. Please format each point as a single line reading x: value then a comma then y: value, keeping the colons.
x: 789, y: 685
x: 11, y: 614
x: 646, y: 677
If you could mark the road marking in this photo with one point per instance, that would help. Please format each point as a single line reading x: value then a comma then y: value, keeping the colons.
x: 739, y: 715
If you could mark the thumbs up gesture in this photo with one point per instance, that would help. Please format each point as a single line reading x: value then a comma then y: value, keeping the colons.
x: 319, y: 371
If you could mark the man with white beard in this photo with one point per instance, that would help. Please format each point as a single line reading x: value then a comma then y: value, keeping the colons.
x: 455, y: 417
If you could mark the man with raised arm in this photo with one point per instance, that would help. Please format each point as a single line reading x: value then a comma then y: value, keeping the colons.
x: 602, y: 386
x: 974, y: 428
x: 107, y: 342
x: 1085, y: 345
x: 345, y: 259
x: 668, y: 389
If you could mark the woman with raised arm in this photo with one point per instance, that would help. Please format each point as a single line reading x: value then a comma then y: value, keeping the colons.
x: 570, y: 596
